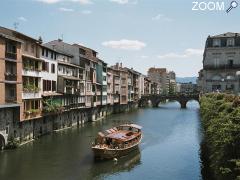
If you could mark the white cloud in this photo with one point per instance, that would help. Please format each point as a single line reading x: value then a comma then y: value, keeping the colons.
x: 162, y: 17
x: 186, y: 54
x: 125, y: 1
x: 125, y: 44
x: 144, y: 57
x: 86, y: 12
x: 66, y: 9
x: 57, y: 1
x: 22, y: 18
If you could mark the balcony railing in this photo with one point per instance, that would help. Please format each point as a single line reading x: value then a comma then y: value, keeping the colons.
x: 224, y: 66
x: 11, y: 99
x: 32, y: 113
x: 10, y: 76
x: 11, y: 55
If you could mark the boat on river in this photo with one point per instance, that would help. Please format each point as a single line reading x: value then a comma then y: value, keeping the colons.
x: 117, y: 141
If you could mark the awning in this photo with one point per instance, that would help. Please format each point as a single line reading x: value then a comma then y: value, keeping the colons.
x: 132, y: 125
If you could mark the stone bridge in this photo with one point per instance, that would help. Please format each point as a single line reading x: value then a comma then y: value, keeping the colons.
x: 157, y: 98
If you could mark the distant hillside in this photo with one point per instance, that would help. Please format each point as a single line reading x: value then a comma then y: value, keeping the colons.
x: 186, y: 79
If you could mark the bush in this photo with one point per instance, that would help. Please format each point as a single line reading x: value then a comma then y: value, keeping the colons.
x: 221, y: 122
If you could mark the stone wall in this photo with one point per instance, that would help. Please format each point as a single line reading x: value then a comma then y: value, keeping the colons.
x: 26, y: 131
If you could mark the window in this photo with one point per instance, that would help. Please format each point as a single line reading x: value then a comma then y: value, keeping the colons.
x: 53, y: 85
x: 230, y: 42
x: 216, y: 62
x: 55, y: 56
x: 216, y: 42
x: 46, y: 53
x: 94, y: 53
x: 230, y: 63
x: 53, y: 68
x: 51, y: 55
x: 47, y: 85
x: 11, y: 48
x: 45, y: 66
x: 32, y: 48
x: 26, y: 46
x: 82, y: 51
x: 42, y: 52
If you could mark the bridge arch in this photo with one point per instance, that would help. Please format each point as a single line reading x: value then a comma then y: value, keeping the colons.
x: 183, y: 99
x: 2, y: 142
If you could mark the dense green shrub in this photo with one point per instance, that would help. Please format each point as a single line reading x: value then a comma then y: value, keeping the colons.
x: 221, y: 122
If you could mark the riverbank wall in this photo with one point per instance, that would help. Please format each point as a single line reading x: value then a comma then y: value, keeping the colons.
x: 23, y: 132
x: 220, y: 114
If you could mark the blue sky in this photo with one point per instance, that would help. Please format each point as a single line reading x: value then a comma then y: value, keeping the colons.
x: 139, y: 33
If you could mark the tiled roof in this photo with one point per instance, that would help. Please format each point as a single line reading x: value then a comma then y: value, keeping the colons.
x: 228, y: 34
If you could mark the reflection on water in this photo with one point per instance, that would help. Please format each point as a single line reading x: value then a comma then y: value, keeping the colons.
x: 123, y: 164
x: 169, y: 150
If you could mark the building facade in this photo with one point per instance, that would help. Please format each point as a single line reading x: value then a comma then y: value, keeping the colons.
x: 221, y: 64
x: 45, y: 87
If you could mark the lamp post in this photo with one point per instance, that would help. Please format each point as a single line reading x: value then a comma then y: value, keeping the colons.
x: 238, y: 78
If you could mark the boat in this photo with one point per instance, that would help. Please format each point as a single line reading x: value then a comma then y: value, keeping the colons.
x: 117, y: 141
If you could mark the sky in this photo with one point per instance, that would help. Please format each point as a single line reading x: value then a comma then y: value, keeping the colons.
x: 139, y: 33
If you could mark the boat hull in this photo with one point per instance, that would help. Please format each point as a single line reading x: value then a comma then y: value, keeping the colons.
x: 104, y: 153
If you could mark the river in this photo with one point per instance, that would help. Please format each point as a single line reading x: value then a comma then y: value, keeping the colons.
x: 170, y: 150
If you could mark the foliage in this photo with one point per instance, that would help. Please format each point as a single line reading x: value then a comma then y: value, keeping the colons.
x: 31, y: 88
x: 12, y: 143
x: 51, y: 105
x: 221, y: 122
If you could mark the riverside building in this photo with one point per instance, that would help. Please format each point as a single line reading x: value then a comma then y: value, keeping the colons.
x: 221, y: 64
x: 46, y: 87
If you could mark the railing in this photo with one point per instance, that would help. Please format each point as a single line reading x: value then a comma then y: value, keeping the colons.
x: 224, y: 66
x: 11, y: 55
x: 11, y: 99
x: 10, y: 77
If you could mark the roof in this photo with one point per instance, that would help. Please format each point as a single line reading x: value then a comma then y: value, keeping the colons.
x: 228, y: 34
x: 132, y: 125
x: 68, y: 64
x: 47, y: 46
x: 32, y: 57
x: 10, y: 38
x: 13, y: 33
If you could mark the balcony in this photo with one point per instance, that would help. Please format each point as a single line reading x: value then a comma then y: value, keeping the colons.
x: 10, y: 76
x: 11, y: 55
x: 32, y: 113
x: 10, y: 99
x: 31, y: 92
x: 31, y: 72
x: 221, y: 67
x: 116, y: 81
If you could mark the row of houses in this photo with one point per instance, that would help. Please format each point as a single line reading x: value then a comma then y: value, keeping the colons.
x: 39, y: 80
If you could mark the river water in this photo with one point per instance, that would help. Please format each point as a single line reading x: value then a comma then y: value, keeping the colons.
x: 170, y: 150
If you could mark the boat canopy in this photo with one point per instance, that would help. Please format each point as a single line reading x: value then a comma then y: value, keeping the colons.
x: 101, y: 134
x: 131, y: 125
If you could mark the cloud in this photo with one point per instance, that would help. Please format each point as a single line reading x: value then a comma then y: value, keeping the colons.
x: 125, y: 44
x: 57, y: 1
x: 22, y: 18
x: 144, y: 57
x: 66, y: 9
x: 186, y: 54
x: 162, y: 17
x: 86, y: 12
x: 125, y: 1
